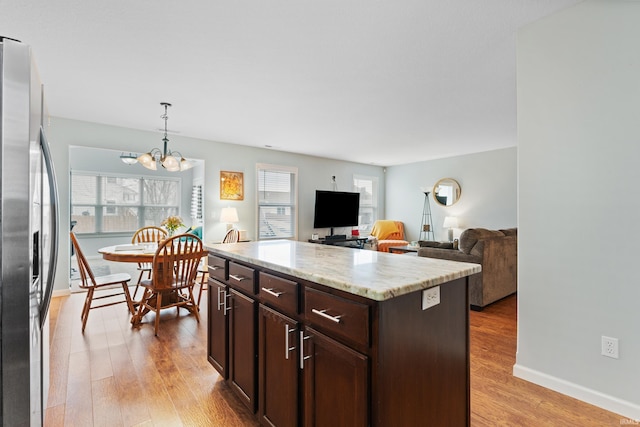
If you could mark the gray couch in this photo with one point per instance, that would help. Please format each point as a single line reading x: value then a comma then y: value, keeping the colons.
x: 495, y: 250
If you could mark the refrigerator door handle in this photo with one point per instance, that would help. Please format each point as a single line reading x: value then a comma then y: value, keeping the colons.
x: 53, y: 198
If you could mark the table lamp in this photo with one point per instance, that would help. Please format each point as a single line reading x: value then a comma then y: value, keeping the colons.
x: 450, y: 222
x: 230, y: 216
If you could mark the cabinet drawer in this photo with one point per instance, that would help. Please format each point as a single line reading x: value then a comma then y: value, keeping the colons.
x: 279, y: 293
x: 337, y: 316
x: 242, y: 277
x: 217, y: 267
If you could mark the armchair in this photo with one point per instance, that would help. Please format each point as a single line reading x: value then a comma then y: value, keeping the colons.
x: 387, y: 233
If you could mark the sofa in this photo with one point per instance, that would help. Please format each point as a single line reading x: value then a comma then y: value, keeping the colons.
x: 386, y: 233
x: 495, y: 250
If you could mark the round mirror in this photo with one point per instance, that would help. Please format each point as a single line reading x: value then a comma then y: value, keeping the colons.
x: 446, y: 192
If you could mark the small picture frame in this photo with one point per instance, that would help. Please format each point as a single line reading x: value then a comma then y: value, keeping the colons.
x: 231, y: 185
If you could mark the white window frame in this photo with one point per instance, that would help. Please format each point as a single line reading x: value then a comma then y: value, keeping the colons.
x: 294, y: 206
x: 98, y: 206
x: 364, y: 203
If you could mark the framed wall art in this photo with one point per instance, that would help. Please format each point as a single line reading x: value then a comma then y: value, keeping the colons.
x: 231, y: 185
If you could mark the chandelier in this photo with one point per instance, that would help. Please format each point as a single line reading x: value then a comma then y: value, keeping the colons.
x: 170, y: 160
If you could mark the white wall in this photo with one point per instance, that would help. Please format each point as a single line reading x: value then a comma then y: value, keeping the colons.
x: 488, y: 199
x: 313, y: 173
x: 579, y: 131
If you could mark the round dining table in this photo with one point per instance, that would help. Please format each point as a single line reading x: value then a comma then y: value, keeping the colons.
x: 128, y: 253
x: 136, y: 253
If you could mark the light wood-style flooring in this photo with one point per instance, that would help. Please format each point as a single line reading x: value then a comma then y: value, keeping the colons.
x: 114, y: 375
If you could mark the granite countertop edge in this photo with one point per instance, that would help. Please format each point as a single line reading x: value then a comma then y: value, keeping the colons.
x: 446, y: 271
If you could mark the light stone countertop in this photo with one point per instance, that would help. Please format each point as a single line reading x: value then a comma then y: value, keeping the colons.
x: 375, y: 275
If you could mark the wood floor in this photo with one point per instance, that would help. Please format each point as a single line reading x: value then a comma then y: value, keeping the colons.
x: 114, y: 375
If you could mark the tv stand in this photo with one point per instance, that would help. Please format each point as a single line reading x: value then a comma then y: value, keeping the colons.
x: 336, y: 237
x: 337, y: 240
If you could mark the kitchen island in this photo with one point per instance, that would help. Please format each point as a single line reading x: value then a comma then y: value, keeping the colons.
x: 321, y: 335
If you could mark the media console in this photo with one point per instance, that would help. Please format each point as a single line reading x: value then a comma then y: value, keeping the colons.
x: 352, y: 242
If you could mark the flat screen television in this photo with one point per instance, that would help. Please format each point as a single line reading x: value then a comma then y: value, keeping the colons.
x: 336, y: 209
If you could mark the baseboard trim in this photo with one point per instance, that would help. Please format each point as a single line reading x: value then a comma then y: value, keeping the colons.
x: 604, y: 401
x: 60, y: 293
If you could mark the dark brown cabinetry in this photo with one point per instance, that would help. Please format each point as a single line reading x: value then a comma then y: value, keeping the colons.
x: 243, y: 347
x: 336, y: 382
x: 300, y: 353
x: 279, y: 367
x: 218, y: 338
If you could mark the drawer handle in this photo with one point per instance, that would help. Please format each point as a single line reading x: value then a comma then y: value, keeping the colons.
x: 324, y: 314
x: 238, y: 278
x: 214, y: 267
x: 272, y: 293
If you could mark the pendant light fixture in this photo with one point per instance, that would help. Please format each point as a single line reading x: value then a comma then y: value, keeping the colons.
x: 170, y: 160
x: 129, y: 159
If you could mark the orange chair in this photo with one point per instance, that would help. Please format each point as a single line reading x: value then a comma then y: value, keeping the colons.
x: 388, y: 233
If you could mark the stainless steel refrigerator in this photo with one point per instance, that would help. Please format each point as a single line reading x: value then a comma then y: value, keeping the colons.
x: 28, y: 237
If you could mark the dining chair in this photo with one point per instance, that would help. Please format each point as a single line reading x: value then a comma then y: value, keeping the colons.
x: 232, y: 236
x: 203, y: 272
x: 149, y: 234
x: 92, y: 283
x: 175, y: 266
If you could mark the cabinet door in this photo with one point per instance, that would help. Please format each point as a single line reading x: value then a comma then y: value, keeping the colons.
x: 218, y: 341
x: 336, y: 383
x: 243, y: 348
x: 278, y: 372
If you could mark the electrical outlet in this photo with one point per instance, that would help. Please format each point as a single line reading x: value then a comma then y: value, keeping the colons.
x: 430, y: 297
x: 610, y: 347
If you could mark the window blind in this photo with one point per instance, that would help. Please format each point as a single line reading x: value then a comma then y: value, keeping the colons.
x: 277, y: 202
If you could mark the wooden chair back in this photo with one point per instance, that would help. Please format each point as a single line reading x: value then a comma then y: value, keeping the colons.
x: 87, y: 278
x: 175, y: 263
x: 232, y: 236
x: 149, y: 234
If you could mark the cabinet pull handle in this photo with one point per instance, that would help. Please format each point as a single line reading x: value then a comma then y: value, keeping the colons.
x: 214, y: 267
x: 287, y: 349
x: 271, y: 292
x: 238, y: 278
x: 227, y: 307
x: 220, y: 304
x: 324, y: 314
x: 302, y: 356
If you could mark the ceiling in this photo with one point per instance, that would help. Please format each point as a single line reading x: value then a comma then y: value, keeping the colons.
x: 384, y: 82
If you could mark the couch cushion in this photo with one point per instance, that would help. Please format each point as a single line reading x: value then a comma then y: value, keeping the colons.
x: 430, y: 244
x: 470, y: 237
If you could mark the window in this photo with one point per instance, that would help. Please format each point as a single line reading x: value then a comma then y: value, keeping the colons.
x: 121, y: 203
x: 277, y: 202
x: 367, y: 186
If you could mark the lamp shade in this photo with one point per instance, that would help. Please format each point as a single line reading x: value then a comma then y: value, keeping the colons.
x: 147, y: 160
x: 450, y: 222
x: 229, y: 215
